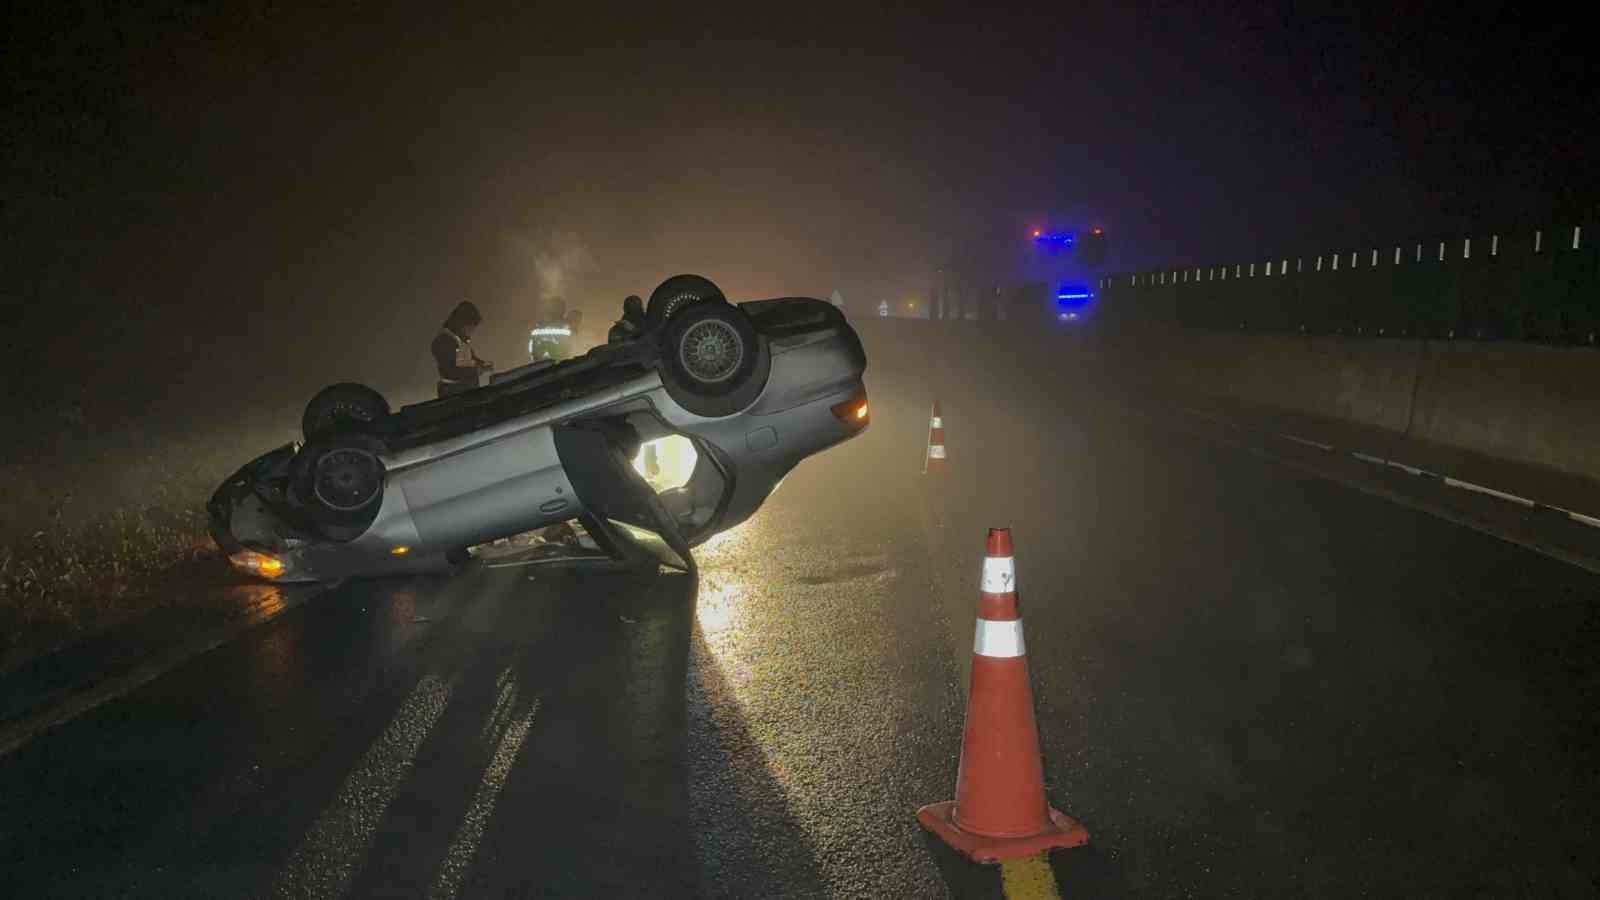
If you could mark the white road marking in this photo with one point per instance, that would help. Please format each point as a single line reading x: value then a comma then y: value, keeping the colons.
x: 1478, y: 488
x: 280, y: 601
x: 464, y: 846
x: 1590, y: 521
x: 332, y: 850
x: 1464, y: 519
x: 1307, y: 441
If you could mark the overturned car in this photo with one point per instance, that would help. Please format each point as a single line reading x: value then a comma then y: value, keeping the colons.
x: 648, y: 446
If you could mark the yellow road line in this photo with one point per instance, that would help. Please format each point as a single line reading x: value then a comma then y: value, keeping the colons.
x: 1029, y: 879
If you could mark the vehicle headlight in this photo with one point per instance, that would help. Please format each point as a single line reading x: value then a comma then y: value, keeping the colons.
x: 257, y: 563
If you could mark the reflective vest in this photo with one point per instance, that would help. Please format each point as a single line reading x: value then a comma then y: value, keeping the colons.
x: 549, y: 340
x: 465, y: 358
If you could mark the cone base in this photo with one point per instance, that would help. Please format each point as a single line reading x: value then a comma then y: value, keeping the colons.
x: 1063, y: 832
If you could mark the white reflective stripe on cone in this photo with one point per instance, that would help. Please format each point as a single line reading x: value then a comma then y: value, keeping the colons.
x: 998, y: 640
x: 999, y: 575
x: 936, y: 422
x: 936, y: 451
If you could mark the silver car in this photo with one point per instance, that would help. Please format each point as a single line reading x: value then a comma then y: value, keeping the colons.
x: 631, y: 454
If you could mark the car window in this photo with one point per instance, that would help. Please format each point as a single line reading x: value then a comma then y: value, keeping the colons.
x: 667, y: 462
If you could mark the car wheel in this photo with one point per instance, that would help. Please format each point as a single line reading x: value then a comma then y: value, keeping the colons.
x: 712, y: 362
x: 678, y: 293
x: 339, y: 478
x: 342, y: 405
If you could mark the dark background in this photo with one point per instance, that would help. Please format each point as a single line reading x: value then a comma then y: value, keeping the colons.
x: 209, y: 175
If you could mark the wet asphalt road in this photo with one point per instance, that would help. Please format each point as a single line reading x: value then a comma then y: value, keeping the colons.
x: 1250, y: 682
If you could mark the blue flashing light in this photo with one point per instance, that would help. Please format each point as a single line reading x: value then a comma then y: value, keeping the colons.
x: 1055, y: 238
x: 1073, y: 296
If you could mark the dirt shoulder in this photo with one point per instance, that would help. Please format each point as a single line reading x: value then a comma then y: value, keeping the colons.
x: 103, y: 486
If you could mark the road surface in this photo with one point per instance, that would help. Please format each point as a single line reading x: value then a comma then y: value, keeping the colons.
x: 1251, y: 682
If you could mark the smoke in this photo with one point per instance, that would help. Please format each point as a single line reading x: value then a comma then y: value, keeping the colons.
x: 551, y: 264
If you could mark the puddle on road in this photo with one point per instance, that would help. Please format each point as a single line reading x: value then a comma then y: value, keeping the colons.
x: 254, y: 599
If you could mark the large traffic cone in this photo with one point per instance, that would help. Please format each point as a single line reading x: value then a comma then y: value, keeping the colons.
x: 934, y: 462
x: 1000, y: 811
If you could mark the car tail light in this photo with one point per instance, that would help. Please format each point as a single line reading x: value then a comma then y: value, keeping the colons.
x: 853, y: 412
x: 258, y: 563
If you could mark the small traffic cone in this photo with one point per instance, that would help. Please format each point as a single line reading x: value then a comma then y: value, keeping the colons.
x: 1000, y: 811
x: 934, y: 462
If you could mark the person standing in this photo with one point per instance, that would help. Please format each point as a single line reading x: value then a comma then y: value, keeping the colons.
x: 459, y: 367
x: 632, y: 322
x: 551, y: 337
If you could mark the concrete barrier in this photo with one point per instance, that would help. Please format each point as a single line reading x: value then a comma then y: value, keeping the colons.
x: 1368, y: 382
x: 1521, y: 403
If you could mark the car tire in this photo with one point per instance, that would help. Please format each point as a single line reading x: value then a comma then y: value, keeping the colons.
x: 338, y: 479
x: 678, y: 293
x: 713, y: 363
x: 341, y: 406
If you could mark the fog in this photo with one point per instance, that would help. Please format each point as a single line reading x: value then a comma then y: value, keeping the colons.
x: 339, y: 179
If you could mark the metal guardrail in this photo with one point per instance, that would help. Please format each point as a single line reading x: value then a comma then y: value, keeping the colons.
x: 1542, y: 286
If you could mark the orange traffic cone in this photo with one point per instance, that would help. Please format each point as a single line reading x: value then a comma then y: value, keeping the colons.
x: 934, y: 461
x: 1000, y: 811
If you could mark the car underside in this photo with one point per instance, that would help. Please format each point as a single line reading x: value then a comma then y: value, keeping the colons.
x: 732, y: 396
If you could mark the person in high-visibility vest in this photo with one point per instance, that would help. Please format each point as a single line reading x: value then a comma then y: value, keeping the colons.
x: 459, y: 367
x: 551, y: 337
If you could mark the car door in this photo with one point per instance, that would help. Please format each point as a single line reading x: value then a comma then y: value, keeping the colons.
x: 623, y: 510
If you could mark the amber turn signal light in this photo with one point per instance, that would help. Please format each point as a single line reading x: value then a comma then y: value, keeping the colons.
x: 853, y: 412
x: 257, y: 563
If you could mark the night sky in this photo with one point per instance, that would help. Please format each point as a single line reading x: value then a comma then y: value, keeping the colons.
x: 181, y: 161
